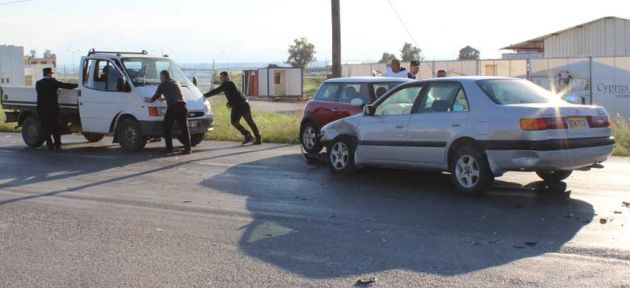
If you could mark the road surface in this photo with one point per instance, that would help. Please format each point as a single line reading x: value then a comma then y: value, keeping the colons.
x: 234, y: 216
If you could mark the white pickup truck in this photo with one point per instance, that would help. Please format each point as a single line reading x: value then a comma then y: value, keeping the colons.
x: 110, y: 101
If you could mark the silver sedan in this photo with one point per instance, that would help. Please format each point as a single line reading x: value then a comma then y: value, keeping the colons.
x: 476, y: 128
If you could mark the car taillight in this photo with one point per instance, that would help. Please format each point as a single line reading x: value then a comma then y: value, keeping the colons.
x: 598, y: 121
x: 153, y: 111
x: 547, y: 123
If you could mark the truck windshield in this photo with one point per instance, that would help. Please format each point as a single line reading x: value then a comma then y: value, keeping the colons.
x: 146, y: 71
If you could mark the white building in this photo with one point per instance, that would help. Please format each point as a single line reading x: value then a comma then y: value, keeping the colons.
x: 11, y: 65
x: 33, y: 66
x: 604, y: 37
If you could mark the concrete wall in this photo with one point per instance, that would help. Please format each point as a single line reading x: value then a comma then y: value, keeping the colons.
x: 11, y: 65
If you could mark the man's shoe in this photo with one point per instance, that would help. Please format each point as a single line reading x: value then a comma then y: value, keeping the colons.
x: 168, y: 152
x: 248, y: 139
x: 187, y: 152
x: 258, y: 140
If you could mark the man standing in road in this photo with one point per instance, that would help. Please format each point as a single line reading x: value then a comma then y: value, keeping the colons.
x: 441, y: 73
x: 240, y: 108
x: 176, y: 111
x: 48, y: 107
x: 414, y: 69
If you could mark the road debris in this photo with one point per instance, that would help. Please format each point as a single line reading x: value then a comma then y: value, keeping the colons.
x: 366, y: 282
x: 603, y: 220
x: 187, y: 201
x: 617, y: 212
x: 625, y: 204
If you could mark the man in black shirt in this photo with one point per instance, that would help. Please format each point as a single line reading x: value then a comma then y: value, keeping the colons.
x: 48, y: 107
x: 240, y: 108
x: 176, y: 111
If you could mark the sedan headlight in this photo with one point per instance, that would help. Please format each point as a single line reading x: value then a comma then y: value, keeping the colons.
x: 207, y: 107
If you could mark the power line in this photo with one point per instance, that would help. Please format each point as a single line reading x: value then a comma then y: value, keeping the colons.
x: 403, y: 23
x: 14, y: 2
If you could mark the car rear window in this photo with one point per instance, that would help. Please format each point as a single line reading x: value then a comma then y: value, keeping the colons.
x: 514, y: 91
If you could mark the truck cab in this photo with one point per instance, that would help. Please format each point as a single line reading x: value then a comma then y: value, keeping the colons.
x: 110, y: 101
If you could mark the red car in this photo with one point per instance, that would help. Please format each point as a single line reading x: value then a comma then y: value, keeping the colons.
x: 340, y: 98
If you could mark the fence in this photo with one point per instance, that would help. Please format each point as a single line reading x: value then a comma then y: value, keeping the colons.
x: 590, y: 80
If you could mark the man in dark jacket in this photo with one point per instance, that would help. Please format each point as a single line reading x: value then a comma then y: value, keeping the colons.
x: 240, y: 108
x: 176, y: 111
x: 48, y: 107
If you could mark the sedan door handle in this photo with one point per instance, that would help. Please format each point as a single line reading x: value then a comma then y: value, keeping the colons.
x: 334, y: 109
x: 456, y: 125
x: 400, y: 126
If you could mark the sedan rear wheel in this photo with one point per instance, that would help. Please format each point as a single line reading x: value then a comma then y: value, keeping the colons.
x: 470, y: 172
x: 341, y: 156
x: 554, y: 175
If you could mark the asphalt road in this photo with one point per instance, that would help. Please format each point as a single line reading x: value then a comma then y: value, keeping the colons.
x: 234, y: 216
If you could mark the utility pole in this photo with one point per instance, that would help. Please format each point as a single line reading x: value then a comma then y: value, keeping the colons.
x: 336, y: 39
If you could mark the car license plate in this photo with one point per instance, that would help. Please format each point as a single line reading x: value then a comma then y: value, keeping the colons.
x: 577, y: 123
x: 193, y: 124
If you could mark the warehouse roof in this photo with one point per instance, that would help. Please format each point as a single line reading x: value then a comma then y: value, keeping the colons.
x: 538, y: 42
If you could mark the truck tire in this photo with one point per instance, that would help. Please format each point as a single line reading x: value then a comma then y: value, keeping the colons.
x: 93, y: 137
x: 195, y: 139
x: 32, y: 132
x: 130, y: 137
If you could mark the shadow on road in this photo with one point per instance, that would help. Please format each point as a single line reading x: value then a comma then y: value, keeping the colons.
x: 43, y: 165
x: 320, y: 226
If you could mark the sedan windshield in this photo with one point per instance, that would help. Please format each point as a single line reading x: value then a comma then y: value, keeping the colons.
x: 515, y: 91
x: 146, y: 71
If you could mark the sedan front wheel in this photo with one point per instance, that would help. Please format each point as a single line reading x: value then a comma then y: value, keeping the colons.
x: 341, y: 156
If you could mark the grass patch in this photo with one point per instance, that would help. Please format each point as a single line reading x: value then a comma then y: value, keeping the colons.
x: 6, y: 127
x: 274, y: 127
x: 621, y: 131
x: 311, y: 84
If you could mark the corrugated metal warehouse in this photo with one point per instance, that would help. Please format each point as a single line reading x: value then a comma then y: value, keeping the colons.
x: 604, y: 37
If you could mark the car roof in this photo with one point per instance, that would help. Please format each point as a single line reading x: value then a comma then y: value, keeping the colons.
x: 124, y: 55
x: 367, y: 80
x: 466, y: 78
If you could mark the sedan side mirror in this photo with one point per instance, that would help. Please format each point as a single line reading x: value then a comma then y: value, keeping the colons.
x: 369, y: 110
x: 122, y: 85
x: 195, y: 80
x: 357, y: 102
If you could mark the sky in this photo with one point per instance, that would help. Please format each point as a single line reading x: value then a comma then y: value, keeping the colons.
x: 194, y: 31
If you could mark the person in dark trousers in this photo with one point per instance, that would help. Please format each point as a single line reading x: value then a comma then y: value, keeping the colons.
x: 240, y: 108
x: 176, y: 111
x: 48, y: 107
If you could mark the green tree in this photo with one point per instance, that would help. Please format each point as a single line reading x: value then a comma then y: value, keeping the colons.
x: 386, y: 58
x: 301, y: 53
x: 410, y: 52
x: 468, y: 53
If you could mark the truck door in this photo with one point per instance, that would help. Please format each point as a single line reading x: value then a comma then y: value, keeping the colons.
x: 102, y: 95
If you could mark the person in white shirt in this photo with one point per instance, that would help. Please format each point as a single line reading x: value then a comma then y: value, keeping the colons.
x: 394, y: 70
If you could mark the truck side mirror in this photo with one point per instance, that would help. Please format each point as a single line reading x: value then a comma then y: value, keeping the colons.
x: 195, y: 80
x: 122, y: 85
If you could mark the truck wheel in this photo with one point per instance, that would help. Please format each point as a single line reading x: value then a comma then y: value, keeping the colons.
x: 130, y: 136
x: 32, y: 132
x: 554, y: 176
x: 93, y: 137
x: 196, y: 139
x: 470, y: 171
